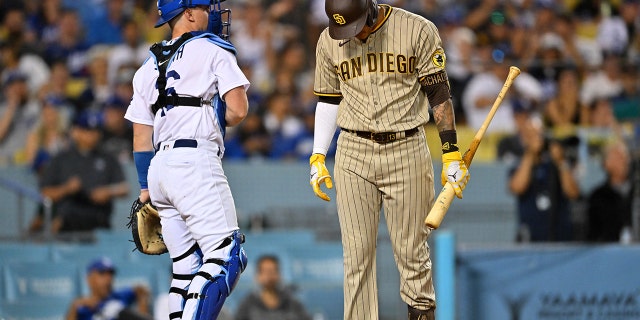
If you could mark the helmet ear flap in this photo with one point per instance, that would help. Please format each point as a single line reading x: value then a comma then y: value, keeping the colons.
x: 372, y: 13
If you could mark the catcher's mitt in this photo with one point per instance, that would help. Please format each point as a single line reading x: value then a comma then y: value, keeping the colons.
x: 144, y: 222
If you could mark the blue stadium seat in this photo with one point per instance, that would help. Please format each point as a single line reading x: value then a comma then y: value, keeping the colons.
x: 326, y: 300
x: 13, y: 251
x: 27, y: 281
x: 320, y: 262
x: 82, y: 254
x: 284, y: 238
x: 238, y: 294
x: 35, y: 309
x: 318, y: 275
x: 114, y: 237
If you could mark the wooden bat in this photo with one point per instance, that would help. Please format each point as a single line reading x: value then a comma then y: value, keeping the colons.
x: 439, y: 210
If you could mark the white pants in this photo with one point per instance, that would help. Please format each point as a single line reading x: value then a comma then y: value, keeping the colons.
x: 191, y: 192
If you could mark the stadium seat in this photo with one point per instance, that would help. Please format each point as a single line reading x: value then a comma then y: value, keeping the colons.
x: 35, y: 309
x: 283, y: 238
x: 113, y: 236
x: 318, y: 275
x: 34, y: 280
x: 324, y: 302
x: 321, y: 262
x: 82, y: 254
x: 13, y: 251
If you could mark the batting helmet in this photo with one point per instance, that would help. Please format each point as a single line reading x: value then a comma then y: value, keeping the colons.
x: 169, y: 9
x: 348, y: 17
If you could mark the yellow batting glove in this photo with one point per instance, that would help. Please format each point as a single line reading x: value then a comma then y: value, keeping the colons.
x: 454, y: 171
x: 319, y: 174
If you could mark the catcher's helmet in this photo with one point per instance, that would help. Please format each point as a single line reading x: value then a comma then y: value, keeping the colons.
x: 348, y: 17
x: 169, y: 9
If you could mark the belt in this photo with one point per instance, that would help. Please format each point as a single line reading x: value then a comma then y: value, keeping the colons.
x: 383, y: 137
x: 189, y: 143
x: 181, y: 143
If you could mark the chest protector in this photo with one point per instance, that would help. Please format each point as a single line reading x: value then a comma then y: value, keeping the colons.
x: 163, y: 54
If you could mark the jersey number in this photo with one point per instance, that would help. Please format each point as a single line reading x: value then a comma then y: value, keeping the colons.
x: 170, y: 91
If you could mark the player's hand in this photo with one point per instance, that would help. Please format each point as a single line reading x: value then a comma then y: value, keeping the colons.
x: 319, y: 174
x: 454, y: 171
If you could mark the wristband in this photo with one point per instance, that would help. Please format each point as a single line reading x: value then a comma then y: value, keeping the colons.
x: 142, y: 159
x: 449, y: 140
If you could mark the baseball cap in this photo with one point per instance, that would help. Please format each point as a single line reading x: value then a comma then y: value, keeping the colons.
x: 88, y: 120
x: 346, y: 17
x: 102, y: 264
x: 115, y: 102
x: 12, y: 77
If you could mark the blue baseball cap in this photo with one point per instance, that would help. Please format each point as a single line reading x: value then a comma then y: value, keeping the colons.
x: 115, y: 102
x: 102, y: 264
x: 14, y: 76
x: 88, y: 120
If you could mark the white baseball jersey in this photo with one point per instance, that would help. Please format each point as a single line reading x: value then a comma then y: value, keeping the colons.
x: 187, y: 183
x: 185, y: 76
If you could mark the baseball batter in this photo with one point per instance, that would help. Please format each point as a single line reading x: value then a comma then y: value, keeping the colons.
x: 184, y: 95
x: 378, y: 68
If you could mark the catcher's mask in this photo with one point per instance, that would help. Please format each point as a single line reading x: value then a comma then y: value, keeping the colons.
x: 219, y: 19
x: 348, y: 17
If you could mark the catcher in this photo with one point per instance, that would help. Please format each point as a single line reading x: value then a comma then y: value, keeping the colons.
x: 185, y: 95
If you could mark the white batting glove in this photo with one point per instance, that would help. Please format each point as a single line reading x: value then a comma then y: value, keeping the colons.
x: 319, y: 174
x: 454, y: 171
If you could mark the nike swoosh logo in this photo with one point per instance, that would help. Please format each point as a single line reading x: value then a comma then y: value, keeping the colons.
x: 343, y: 42
x: 313, y: 175
x: 163, y: 62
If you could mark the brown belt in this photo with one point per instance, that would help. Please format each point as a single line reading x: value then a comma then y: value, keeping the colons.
x: 382, y: 137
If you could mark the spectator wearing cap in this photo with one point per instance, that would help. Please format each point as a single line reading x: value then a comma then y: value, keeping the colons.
x: 82, y: 182
x: 117, y: 132
x: 103, y: 302
x: 18, y: 116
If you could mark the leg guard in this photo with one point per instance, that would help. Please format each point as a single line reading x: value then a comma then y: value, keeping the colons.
x: 184, y: 270
x: 215, y: 280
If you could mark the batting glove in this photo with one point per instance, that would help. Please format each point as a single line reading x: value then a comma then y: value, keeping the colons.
x: 319, y: 174
x: 454, y: 171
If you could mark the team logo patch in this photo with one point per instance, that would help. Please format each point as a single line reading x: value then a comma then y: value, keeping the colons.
x: 439, y: 59
x: 339, y: 19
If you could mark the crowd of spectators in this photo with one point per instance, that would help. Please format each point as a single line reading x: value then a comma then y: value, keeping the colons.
x: 62, y: 57
x: 580, y: 80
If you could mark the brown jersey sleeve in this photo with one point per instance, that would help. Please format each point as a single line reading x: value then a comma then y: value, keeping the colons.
x: 326, y: 82
x: 430, y: 54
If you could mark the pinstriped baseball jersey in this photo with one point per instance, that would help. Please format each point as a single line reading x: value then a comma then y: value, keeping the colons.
x: 379, y: 79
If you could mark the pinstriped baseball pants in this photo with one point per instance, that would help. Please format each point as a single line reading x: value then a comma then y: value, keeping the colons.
x: 398, y: 177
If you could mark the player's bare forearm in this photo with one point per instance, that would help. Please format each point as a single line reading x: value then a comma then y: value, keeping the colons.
x: 444, y: 116
x: 237, y: 105
x: 142, y: 137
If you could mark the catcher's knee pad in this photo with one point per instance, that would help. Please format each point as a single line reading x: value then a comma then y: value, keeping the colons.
x: 184, y: 268
x: 215, y: 280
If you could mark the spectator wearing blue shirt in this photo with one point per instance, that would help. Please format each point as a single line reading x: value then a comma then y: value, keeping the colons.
x: 105, y: 303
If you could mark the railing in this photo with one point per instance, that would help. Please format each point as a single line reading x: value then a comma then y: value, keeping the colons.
x: 22, y: 192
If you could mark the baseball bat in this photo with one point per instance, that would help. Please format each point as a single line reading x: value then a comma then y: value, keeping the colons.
x: 439, y: 209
